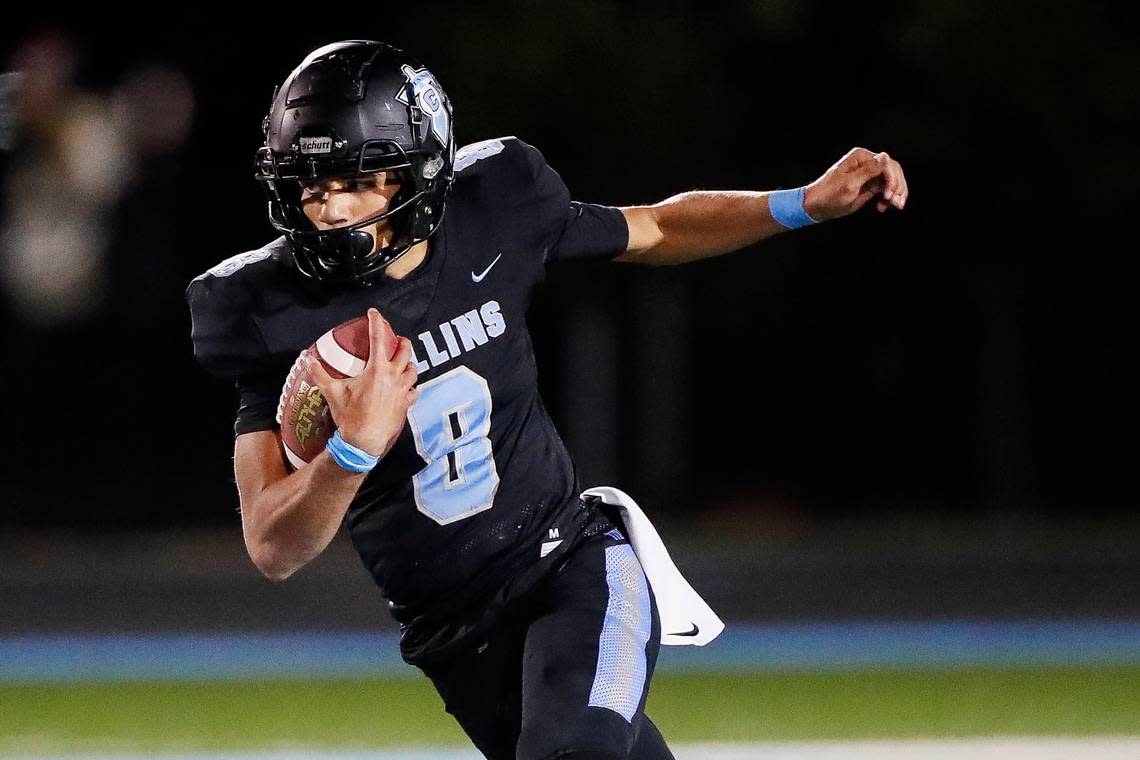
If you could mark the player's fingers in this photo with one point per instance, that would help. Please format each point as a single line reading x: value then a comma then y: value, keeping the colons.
x: 862, y: 198
x: 403, y: 355
x: 890, y: 176
x: 408, y: 377
x: 898, y: 190
x: 855, y: 158
x: 377, y: 328
x: 891, y: 186
x: 858, y: 155
x: 866, y: 173
x: 323, y: 380
x: 905, y: 190
x: 411, y: 368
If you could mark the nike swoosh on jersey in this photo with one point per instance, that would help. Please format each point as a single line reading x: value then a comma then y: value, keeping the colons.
x: 695, y: 630
x: 479, y: 277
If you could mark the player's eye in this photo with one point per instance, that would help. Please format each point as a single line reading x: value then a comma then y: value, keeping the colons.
x: 316, y: 189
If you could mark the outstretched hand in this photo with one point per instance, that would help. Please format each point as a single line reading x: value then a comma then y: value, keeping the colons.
x: 852, y: 182
x: 370, y: 409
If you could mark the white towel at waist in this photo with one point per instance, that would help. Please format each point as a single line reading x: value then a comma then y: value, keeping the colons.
x: 685, y: 617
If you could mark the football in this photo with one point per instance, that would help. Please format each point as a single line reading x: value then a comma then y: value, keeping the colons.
x: 303, y: 414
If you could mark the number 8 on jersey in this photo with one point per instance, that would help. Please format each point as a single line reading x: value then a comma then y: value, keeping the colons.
x: 451, y: 422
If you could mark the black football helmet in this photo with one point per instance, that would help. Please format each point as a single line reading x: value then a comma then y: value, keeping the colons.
x: 354, y: 108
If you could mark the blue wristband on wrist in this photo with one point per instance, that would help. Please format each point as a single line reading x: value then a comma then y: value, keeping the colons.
x: 348, y: 456
x: 787, y: 208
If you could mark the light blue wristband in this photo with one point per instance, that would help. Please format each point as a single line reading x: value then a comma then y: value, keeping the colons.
x: 787, y: 208
x: 348, y: 456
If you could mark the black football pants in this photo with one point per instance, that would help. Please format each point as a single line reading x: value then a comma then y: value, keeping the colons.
x: 566, y: 672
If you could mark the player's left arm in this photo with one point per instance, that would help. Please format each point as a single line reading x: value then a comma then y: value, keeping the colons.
x: 700, y: 224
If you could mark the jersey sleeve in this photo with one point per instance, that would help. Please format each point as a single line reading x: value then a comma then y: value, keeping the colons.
x: 578, y: 230
x: 228, y: 345
x: 590, y: 230
x: 570, y: 229
x: 257, y: 404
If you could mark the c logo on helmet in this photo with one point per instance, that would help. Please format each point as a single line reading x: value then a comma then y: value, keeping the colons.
x: 427, y: 96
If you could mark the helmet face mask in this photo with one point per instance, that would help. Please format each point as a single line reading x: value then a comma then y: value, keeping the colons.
x: 345, y: 253
x: 353, y: 109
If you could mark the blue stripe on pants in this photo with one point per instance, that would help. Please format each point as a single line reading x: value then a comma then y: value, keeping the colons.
x: 619, y: 679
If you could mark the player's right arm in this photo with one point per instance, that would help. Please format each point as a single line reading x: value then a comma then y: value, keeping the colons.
x: 289, y: 519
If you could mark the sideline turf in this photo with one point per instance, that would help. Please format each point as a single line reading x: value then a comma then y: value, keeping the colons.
x: 265, y: 715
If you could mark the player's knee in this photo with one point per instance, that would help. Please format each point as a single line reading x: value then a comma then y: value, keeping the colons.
x: 576, y: 739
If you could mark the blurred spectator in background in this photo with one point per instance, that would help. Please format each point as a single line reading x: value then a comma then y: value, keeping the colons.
x: 89, y: 260
x: 79, y: 155
x: 69, y: 169
x: 153, y: 108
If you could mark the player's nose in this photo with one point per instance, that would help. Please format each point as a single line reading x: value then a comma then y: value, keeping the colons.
x: 332, y: 215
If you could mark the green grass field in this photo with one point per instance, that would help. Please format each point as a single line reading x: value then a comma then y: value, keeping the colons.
x: 261, y: 715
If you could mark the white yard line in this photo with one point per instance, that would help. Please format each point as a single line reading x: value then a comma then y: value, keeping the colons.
x: 1028, y: 748
x: 997, y: 748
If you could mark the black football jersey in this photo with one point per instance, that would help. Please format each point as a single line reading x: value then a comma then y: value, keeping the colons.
x: 478, y: 498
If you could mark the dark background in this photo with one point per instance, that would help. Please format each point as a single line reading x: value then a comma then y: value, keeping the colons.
x: 971, y: 358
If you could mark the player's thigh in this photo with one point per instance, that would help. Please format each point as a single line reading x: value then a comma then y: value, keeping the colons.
x: 589, y: 656
x: 482, y: 690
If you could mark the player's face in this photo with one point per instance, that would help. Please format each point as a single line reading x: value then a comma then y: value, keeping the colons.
x: 333, y: 203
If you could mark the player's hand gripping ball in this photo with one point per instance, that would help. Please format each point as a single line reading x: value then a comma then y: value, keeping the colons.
x: 303, y: 413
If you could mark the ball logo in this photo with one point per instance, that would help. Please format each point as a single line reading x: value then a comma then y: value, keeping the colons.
x: 426, y: 92
x: 307, y: 418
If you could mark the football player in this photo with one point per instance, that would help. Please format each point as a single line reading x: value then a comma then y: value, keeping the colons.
x: 518, y: 596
